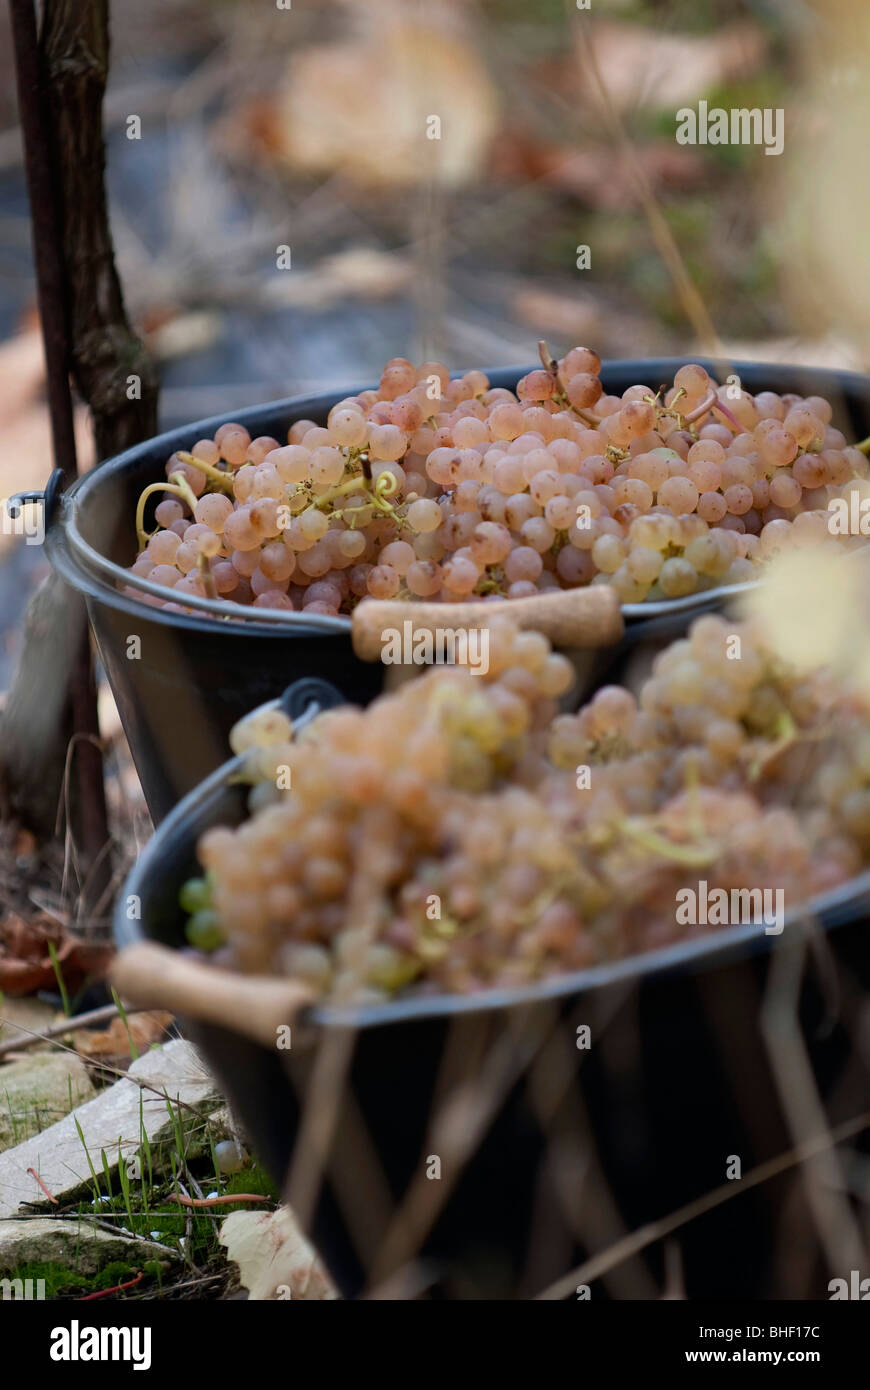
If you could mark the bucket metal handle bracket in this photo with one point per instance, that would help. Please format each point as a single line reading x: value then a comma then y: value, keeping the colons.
x: 49, y: 496
x: 307, y: 691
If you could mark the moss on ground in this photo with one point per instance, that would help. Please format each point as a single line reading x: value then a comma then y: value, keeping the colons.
x: 61, y: 1282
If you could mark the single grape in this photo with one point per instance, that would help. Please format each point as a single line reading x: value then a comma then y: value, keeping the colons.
x: 523, y: 563
x: 383, y: 582
x: 326, y: 466
x: 347, y: 427
x: 679, y: 494
x: 208, y: 450
x: 203, y: 930
x: 460, y: 575
x: 313, y: 524
x: 712, y: 506
x: 608, y: 553
x: 168, y: 511
x: 240, y: 531
x: 398, y: 555
x: 213, y: 510
x: 678, y: 577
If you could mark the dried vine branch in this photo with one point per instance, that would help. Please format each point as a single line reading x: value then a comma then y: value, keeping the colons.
x: 105, y: 352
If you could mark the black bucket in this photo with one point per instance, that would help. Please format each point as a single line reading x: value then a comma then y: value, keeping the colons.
x: 195, y: 676
x: 580, y: 1145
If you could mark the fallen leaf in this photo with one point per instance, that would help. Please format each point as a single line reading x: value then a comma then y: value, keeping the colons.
x: 641, y: 66
x: 114, y: 1041
x: 274, y: 1258
x: 605, y: 178
x: 599, y: 174
x: 360, y: 108
x: 26, y: 965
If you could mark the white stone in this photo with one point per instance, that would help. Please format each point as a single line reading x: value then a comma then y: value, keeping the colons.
x: 35, y: 1092
x: 76, y: 1244
x: 110, y: 1121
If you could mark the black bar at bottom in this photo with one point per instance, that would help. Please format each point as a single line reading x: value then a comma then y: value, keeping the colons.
x: 174, y: 1338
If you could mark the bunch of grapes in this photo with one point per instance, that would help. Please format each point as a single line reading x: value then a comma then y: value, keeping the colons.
x: 440, y: 489
x: 460, y: 833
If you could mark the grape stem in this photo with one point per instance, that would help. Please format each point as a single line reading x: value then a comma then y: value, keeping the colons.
x: 547, y: 358
x: 710, y: 403
x: 204, y: 565
x: 559, y: 396
x: 185, y: 489
x: 358, y: 483
x: 385, y: 485
x: 142, y: 535
x: 702, y: 409
x: 491, y: 581
x: 864, y: 446
x: 788, y: 735
x: 668, y: 410
x: 732, y: 419
x: 586, y: 416
x: 692, y: 855
x: 223, y: 480
x: 350, y: 514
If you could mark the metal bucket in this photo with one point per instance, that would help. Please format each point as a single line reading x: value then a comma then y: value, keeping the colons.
x: 196, y: 675
x: 577, y: 1144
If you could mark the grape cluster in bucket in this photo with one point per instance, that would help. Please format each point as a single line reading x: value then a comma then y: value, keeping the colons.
x: 506, y: 842
x: 446, y: 489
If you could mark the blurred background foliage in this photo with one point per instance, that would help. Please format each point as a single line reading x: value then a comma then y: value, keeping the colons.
x: 306, y: 127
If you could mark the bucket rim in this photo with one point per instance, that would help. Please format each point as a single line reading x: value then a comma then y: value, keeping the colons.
x: 240, y: 618
x: 95, y: 590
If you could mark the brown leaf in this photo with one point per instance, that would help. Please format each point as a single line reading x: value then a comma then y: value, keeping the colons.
x: 114, y: 1041
x: 650, y: 67
x: 604, y: 178
x: 332, y: 117
x: 25, y: 962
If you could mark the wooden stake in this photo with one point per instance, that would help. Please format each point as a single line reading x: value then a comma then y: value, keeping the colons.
x: 90, y: 821
x: 61, y: 83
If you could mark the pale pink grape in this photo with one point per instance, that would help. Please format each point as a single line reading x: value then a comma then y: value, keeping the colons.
x: 383, y: 582
x: 523, y: 563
